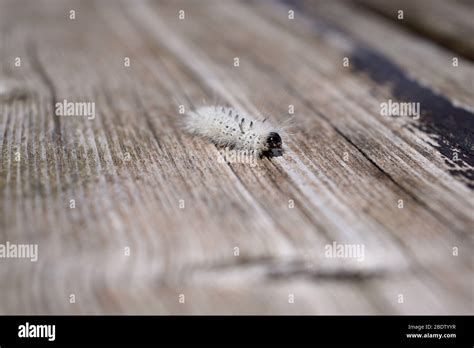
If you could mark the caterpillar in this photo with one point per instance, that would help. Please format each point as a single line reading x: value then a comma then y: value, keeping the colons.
x: 226, y: 126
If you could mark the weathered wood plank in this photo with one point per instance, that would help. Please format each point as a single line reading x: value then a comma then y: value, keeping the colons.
x: 407, y: 51
x: 448, y: 23
x: 399, y: 125
x: 129, y: 168
x: 222, y: 43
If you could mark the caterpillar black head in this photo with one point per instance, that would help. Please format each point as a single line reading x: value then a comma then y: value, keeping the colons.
x: 273, y: 141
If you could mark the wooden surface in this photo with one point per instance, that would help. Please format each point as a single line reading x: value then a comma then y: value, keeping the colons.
x: 447, y: 23
x: 131, y: 168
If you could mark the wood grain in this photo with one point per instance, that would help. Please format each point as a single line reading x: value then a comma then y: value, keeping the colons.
x: 129, y: 170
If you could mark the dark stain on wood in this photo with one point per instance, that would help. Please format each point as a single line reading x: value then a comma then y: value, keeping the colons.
x: 451, y: 127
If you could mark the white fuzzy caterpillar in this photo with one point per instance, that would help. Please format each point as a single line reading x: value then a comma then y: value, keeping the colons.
x: 225, y: 126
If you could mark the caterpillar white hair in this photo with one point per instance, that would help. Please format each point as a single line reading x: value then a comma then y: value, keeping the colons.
x: 226, y: 126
